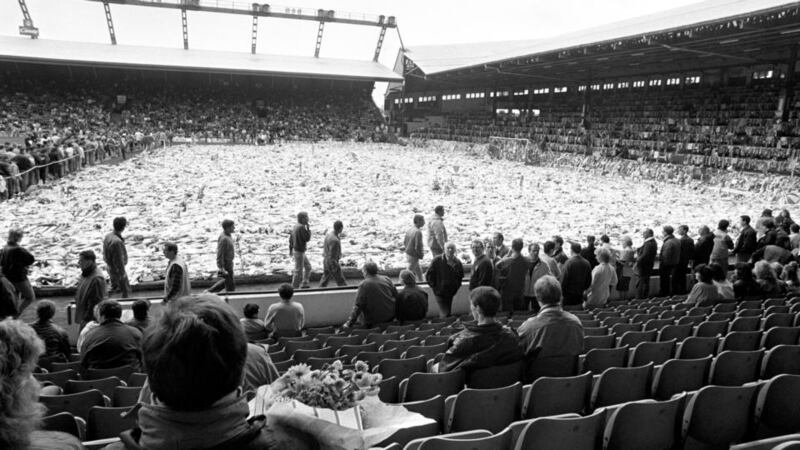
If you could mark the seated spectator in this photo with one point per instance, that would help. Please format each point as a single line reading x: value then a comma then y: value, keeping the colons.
x: 375, y: 299
x: 790, y: 277
x: 287, y: 317
x: 258, y: 368
x: 552, y: 333
x: 254, y: 328
x: 412, y: 302
x: 703, y: 293
x: 89, y: 327
x: 112, y: 343
x: 768, y: 283
x: 484, y: 344
x: 745, y: 284
x: 194, y: 360
x: 19, y: 409
x: 778, y: 252
x: 604, y: 279
x: 56, y: 342
x: 720, y: 279
x: 141, y: 317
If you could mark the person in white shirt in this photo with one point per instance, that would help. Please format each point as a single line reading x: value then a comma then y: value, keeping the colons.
x: 285, y: 318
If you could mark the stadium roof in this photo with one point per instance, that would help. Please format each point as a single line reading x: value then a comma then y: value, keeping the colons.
x: 699, y: 35
x: 22, y: 49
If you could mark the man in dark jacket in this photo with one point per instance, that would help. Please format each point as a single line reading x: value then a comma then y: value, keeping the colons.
x: 298, y: 243
x: 669, y: 258
x: 485, y: 344
x: 91, y: 288
x: 588, y: 252
x: 412, y: 302
x: 15, y: 261
x: 331, y: 254
x: 703, y: 247
x: 9, y: 306
x: 482, y: 268
x: 682, y: 268
x: 645, y: 260
x: 375, y: 298
x: 444, y: 277
x: 576, y: 277
x: 112, y: 343
x: 225, y: 255
x: 770, y: 236
x: 116, y: 257
x: 747, y: 241
x: 511, y: 272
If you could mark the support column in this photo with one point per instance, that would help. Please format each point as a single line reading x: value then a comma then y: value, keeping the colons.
x: 185, y: 26
x: 380, y: 44
x: 788, y: 86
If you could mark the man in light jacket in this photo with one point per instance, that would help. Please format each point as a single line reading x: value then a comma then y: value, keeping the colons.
x: 437, y: 234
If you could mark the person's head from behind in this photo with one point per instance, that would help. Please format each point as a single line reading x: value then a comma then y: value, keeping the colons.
x: 302, y: 218
x: 119, y: 224
x: 575, y: 248
x: 109, y: 310
x: 605, y: 239
x: 370, y: 269
x: 766, y: 213
x: 251, y: 311
x: 744, y: 271
x: 338, y: 226
x: 603, y: 256
x: 794, y: 228
x: 763, y: 271
x: 196, y: 354
x: 517, y: 245
x: 744, y: 221
x: 45, y: 310
x: 626, y: 241
x: 783, y: 241
x: 485, y: 302
x: 723, y: 225
x: 547, y: 290
x: 647, y: 233
x: 703, y: 274
x: 769, y: 224
x: 559, y: 242
x: 419, y: 220
x: 718, y: 273
x: 141, y: 308
x: 667, y: 230
x: 228, y: 226
x: 590, y: 239
x: 286, y: 292
x: 790, y: 273
x: 704, y: 230
x: 170, y: 250
x: 15, y: 236
x: 20, y: 411
x: 549, y: 247
x: 439, y: 210
x: 408, y: 278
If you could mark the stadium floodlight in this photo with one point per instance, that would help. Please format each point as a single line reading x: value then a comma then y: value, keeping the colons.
x: 27, y: 28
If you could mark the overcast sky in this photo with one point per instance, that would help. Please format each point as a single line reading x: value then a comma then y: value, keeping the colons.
x: 420, y: 22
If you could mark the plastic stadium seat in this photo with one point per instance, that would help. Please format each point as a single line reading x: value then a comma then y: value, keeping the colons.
x: 472, y: 434
x: 401, y: 345
x: 104, y: 385
x: 432, y: 408
x: 622, y: 328
x: 388, y: 390
x: 717, y: 416
x: 496, y: 441
x: 468, y: 409
x: 696, y: 347
x: 633, y: 338
x: 721, y: 316
x: 606, y: 314
x: 645, y: 424
x: 57, y: 378
x: 672, y: 314
x: 436, y: 340
x: 65, y: 423
x: 336, y: 342
x: 76, y: 404
x: 136, y: 379
x: 400, y: 328
x: 611, y: 321
x: 775, y: 309
x: 778, y: 407
x: 780, y: 336
x: 59, y: 366
x: 643, y: 318
x: 431, y: 326
x: 598, y: 360
x: 750, y: 304
x: 724, y: 307
x: 592, y: 331
x: 680, y: 375
x: 283, y: 366
x: 302, y: 355
x: 629, y: 311
x: 591, y: 342
x: 691, y: 320
x: 124, y: 396
x: 374, y: 358
x: 380, y: 338
x: 364, y: 332
x: 742, y: 341
x: 781, y: 359
x: 549, y: 396
x: 657, y: 324
x: 621, y: 384
x: 731, y: 368
x: 421, y: 386
x: 420, y: 334
x: 745, y: 324
x: 108, y: 422
x: 773, y: 443
x: 292, y: 346
x: 594, y: 323
x: 428, y: 351
x: 278, y: 356
x: 699, y: 311
x: 496, y: 376
x: 711, y: 329
x: 401, y: 368
x: 347, y: 352
x: 46, y: 362
x: 749, y: 312
x: 315, y: 363
x: 778, y: 320
x: 651, y: 352
x: 315, y: 331
x: 677, y: 332
x: 565, y: 432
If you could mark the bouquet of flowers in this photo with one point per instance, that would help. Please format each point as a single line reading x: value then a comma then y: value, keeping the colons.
x: 331, y: 387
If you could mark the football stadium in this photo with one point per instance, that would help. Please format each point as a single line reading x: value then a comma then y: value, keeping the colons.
x: 581, y: 240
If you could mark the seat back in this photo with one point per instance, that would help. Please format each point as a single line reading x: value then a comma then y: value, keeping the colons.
x: 696, y: 347
x: 401, y: 345
x: 643, y: 424
x: 622, y: 328
x: 319, y: 363
x: 324, y: 330
x: 551, y: 366
x: 293, y: 345
x: 381, y: 338
x: 721, y: 316
x: 122, y: 373
x: 732, y: 368
x: 777, y: 407
x: 492, y: 442
x: 745, y: 324
x: 59, y: 378
x: 680, y: 375
x: 657, y: 324
x: 416, y: 444
x: 566, y: 432
x: 388, y: 390
x: 283, y: 366
x: 652, y: 352
x: 621, y: 384
x: 469, y: 407
x: 108, y: 422
x: 302, y: 355
x: 63, y: 422
x: 549, y: 396
x: 348, y: 351
x: 59, y: 366
x: 591, y: 342
x: 374, y: 358
x: 691, y: 320
x: 781, y: 359
x: 711, y: 328
x: 718, y: 415
x: 400, y: 328
x: 780, y: 336
x: 436, y: 340
x: 428, y: 351
x: 124, y: 396
x: 419, y: 334
x: 677, y: 332
x: 742, y: 341
x: 432, y: 408
x: 599, y: 359
x: 401, y: 368
x: 633, y: 338
x: 421, y: 386
x: 595, y: 331
x: 336, y: 342
x: 496, y: 376
x: 76, y: 404
x: 137, y: 379
x: 364, y: 332
x: 104, y: 385
x: 778, y: 320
